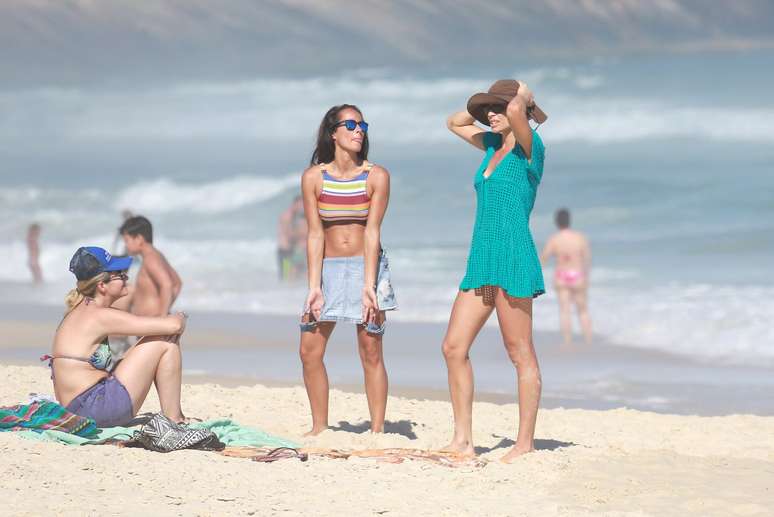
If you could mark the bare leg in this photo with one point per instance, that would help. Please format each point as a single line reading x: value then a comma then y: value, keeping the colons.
x: 37, y: 273
x: 580, y: 297
x: 467, y: 317
x: 515, y: 318
x: 565, y: 312
x: 372, y: 358
x: 312, y: 350
x: 153, y: 360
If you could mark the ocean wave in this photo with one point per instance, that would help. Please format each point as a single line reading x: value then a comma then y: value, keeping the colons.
x: 612, y: 119
x: 69, y: 213
x: 704, y: 321
x: 232, y: 110
x: 164, y: 196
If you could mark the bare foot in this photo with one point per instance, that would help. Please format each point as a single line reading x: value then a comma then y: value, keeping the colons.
x: 180, y: 418
x: 315, y: 431
x: 187, y: 420
x: 464, y: 448
x: 515, y: 452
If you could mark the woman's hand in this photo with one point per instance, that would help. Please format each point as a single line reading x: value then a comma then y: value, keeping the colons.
x: 517, y: 113
x: 370, y: 305
x: 182, y: 319
x: 525, y: 94
x: 314, y: 302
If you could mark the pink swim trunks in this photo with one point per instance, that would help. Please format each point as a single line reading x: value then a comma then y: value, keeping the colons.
x: 569, y: 277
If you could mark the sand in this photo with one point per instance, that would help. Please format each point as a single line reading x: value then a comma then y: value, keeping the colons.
x: 615, y: 462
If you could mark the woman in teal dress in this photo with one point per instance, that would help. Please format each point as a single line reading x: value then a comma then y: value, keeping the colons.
x: 503, y: 272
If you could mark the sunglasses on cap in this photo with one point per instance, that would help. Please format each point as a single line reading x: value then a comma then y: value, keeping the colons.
x: 352, y: 124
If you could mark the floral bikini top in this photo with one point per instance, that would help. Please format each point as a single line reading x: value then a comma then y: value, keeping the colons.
x: 101, y: 359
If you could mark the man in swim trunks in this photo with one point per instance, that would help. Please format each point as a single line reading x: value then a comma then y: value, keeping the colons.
x: 571, y: 278
x: 158, y: 284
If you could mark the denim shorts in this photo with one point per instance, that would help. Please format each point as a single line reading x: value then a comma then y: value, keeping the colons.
x: 107, y: 403
x: 342, y: 287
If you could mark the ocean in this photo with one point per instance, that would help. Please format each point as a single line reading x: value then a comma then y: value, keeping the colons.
x: 665, y: 163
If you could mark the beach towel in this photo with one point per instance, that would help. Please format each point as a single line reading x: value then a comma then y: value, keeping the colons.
x: 43, y: 416
x: 234, y: 435
x: 229, y: 432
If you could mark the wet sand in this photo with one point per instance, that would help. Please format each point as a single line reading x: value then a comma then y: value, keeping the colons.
x: 243, y: 349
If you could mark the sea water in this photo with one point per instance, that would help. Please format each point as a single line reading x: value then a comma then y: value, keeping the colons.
x: 665, y: 163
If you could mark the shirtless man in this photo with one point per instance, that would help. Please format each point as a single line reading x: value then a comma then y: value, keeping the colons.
x: 158, y: 284
x: 571, y: 279
x: 291, y: 241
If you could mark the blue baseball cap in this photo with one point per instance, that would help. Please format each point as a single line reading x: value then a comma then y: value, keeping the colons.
x: 89, y: 261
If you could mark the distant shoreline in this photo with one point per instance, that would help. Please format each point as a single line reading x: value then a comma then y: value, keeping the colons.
x: 245, y: 350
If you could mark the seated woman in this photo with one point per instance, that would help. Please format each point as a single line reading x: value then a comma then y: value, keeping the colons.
x: 86, y: 380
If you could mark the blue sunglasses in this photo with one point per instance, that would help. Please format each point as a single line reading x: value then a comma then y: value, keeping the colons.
x: 352, y: 124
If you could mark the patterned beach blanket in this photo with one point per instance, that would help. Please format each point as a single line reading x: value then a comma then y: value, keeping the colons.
x: 229, y: 432
x: 45, y: 416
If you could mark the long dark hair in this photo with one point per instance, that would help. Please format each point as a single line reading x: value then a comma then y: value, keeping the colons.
x: 325, y: 150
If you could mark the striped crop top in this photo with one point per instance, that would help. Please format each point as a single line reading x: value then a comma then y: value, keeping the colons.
x: 344, y: 200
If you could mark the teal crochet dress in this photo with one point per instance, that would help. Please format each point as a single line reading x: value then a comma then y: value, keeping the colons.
x: 502, y: 252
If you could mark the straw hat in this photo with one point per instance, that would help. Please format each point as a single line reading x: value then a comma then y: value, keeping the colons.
x: 500, y: 93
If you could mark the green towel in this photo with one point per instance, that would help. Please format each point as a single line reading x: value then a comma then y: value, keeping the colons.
x: 235, y: 435
x: 229, y: 432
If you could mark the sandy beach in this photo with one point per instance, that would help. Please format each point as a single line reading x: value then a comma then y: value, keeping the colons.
x: 197, y: 130
x: 615, y: 462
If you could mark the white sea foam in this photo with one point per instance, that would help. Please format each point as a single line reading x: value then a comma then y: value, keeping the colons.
x: 708, y: 322
x: 163, y: 195
x: 232, y: 110
x: 681, y: 320
x: 704, y: 321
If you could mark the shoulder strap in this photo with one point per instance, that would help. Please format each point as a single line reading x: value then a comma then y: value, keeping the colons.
x: 50, y: 358
x: 368, y: 167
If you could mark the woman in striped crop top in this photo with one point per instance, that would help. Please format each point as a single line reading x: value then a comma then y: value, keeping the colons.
x: 345, y: 199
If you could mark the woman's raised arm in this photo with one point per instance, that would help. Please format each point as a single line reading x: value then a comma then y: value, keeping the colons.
x: 463, y: 125
x: 518, y: 118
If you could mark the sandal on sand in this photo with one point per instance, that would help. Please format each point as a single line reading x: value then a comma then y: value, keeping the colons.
x: 281, y: 453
